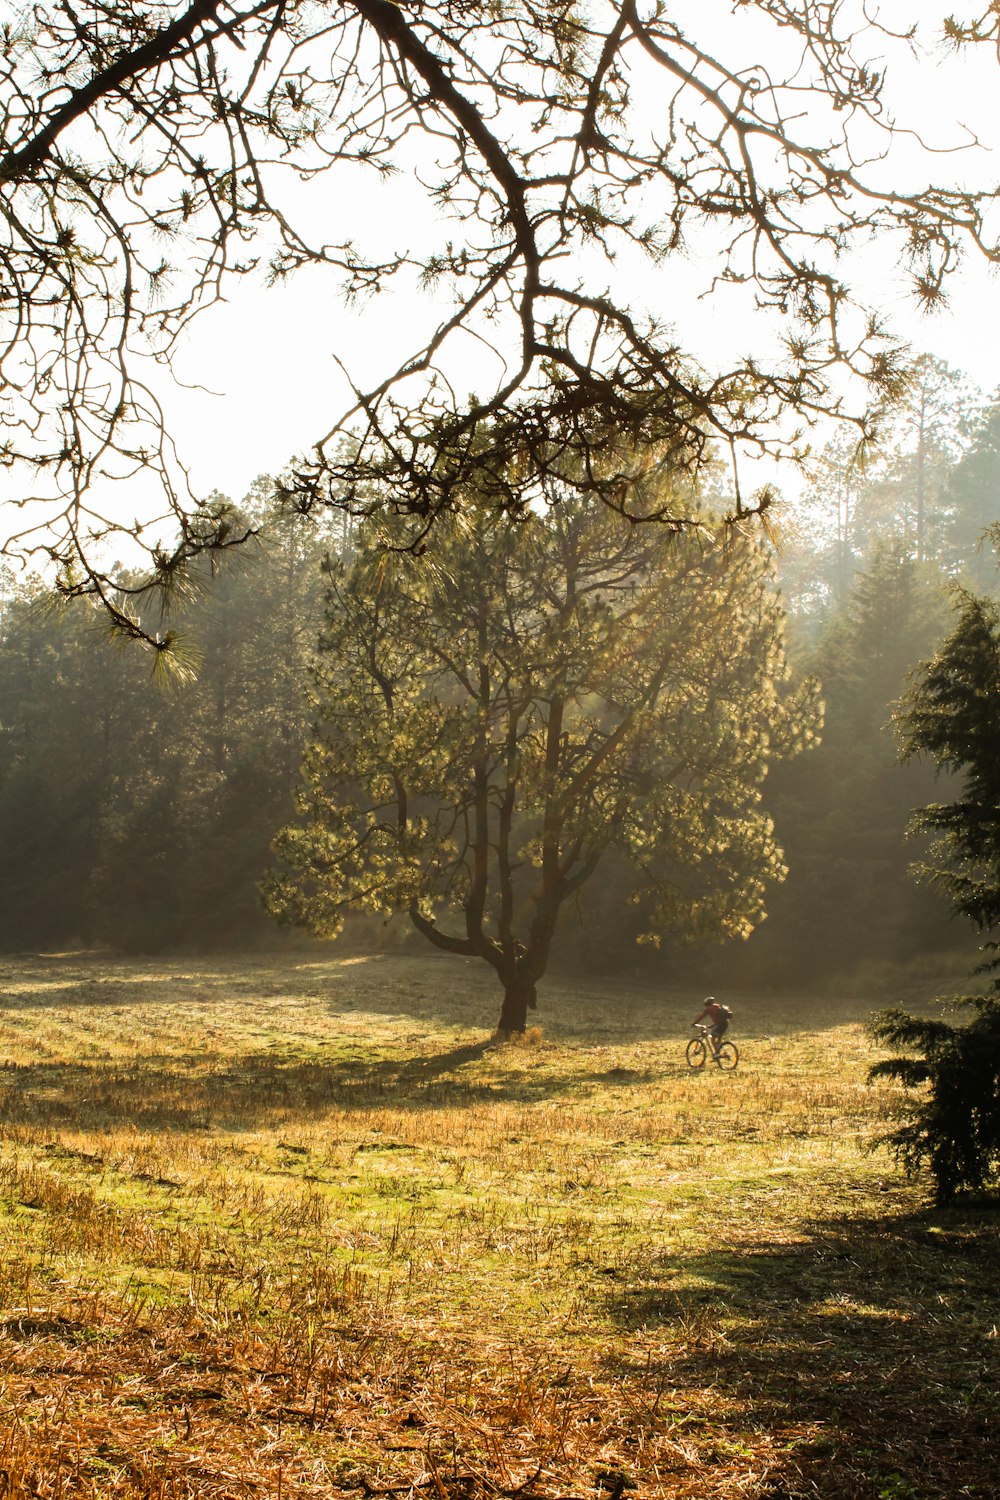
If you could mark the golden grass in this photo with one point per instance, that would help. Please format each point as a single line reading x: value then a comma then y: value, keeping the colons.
x: 297, y: 1228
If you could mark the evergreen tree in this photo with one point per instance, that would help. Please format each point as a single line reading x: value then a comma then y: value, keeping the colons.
x: 953, y: 1122
x: 952, y: 717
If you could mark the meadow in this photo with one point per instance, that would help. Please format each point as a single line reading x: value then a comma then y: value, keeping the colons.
x: 299, y: 1227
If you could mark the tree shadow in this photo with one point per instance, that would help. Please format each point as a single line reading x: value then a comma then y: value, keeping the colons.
x: 867, y: 1351
x: 584, y: 1007
x: 199, y: 1091
x: 424, y: 987
x: 424, y: 1069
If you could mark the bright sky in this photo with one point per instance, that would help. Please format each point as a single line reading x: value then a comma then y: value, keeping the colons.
x: 271, y: 355
x: 270, y: 360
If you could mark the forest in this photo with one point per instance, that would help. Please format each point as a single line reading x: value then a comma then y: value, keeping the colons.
x: 138, y: 811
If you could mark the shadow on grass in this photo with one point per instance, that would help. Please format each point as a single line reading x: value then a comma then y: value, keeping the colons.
x: 868, y: 1352
x: 198, y: 1092
x: 421, y: 987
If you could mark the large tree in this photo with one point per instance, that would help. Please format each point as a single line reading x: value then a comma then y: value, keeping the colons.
x: 952, y: 716
x: 497, y: 714
x: 151, y: 153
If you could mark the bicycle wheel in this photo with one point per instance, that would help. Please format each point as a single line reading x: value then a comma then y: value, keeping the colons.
x: 727, y: 1056
x: 696, y: 1052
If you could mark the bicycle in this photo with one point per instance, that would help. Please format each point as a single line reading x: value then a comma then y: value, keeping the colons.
x: 703, y: 1046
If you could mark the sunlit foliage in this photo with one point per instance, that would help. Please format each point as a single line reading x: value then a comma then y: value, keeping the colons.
x: 497, y: 714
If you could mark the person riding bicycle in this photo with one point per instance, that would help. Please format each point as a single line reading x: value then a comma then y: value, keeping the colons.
x: 718, y: 1016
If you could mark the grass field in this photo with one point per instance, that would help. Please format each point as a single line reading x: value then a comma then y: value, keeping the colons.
x: 297, y: 1228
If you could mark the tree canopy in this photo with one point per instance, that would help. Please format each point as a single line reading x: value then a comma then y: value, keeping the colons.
x: 498, y: 714
x: 154, y: 153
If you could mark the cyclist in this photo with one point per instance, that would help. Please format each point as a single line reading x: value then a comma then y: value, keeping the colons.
x: 719, y: 1017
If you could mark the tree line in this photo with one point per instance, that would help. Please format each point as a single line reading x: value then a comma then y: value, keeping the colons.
x: 879, y: 546
x: 136, y: 811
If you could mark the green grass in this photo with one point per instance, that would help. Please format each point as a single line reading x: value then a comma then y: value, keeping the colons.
x: 300, y: 1228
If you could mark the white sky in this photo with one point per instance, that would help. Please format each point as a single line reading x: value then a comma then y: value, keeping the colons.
x: 270, y: 354
x: 274, y: 386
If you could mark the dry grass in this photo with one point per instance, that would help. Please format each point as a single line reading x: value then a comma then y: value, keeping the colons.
x: 297, y: 1229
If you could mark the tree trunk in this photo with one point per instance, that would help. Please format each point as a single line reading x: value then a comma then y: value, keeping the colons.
x: 518, y: 998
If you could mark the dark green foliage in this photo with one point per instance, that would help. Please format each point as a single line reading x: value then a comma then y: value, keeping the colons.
x: 952, y: 716
x: 954, y: 1122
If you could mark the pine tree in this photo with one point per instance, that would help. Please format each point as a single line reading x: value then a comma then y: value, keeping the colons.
x: 953, y: 1123
x: 953, y: 717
